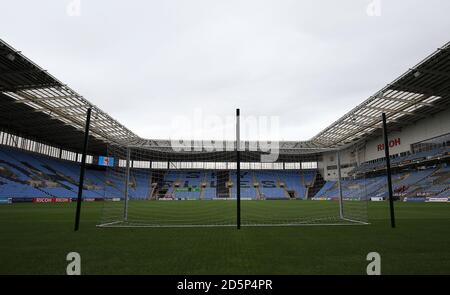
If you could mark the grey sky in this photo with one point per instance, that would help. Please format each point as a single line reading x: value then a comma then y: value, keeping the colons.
x: 308, y: 62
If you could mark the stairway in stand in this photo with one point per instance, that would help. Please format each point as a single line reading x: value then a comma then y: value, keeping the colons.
x: 222, y: 178
x: 317, y: 184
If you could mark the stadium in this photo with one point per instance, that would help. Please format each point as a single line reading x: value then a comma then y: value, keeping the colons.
x: 336, y: 178
x: 74, y: 179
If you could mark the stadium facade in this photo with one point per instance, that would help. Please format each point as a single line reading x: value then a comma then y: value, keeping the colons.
x: 42, y: 127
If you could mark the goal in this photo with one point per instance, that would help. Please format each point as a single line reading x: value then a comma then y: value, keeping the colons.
x: 163, y: 186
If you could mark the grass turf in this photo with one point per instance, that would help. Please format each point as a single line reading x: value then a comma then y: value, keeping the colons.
x: 223, y: 212
x: 35, y: 238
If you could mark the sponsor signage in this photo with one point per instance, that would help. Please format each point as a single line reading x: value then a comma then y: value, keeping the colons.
x: 376, y: 199
x: 392, y: 143
x: 52, y: 200
x: 321, y: 199
x: 42, y: 200
x: 187, y: 189
x: 400, y: 194
x: 437, y: 200
x: 61, y: 200
x: 5, y: 200
x: 352, y: 199
x: 413, y: 199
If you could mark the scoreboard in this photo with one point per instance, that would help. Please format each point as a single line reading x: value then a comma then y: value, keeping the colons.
x: 106, y: 161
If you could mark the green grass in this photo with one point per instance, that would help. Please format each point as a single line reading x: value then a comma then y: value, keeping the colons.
x: 35, y: 238
x: 223, y: 212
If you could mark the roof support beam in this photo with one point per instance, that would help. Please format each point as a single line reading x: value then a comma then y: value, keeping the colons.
x: 50, y: 98
x: 18, y: 72
x: 421, y: 90
x: 432, y: 72
x: 51, y: 108
x: 393, y: 111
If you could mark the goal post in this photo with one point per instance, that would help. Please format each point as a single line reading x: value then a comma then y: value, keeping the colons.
x: 127, y: 184
x: 145, y: 188
x: 234, y: 183
x: 238, y: 169
x: 355, y: 188
x: 339, y: 177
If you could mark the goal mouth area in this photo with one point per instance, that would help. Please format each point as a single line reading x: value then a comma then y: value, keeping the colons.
x: 178, y: 194
x: 318, y: 223
x: 221, y: 213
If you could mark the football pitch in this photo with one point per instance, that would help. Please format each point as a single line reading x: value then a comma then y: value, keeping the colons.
x: 35, y: 239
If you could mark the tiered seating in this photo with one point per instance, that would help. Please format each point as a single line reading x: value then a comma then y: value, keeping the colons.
x: 188, y: 184
x: 325, y: 189
x: 308, y: 176
x: 140, y: 184
x: 247, y: 188
x: 411, y: 158
x: 435, y: 184
x: 293, y: 181
x: 269, y: 184
x: 27, y: 175
x: 170, y: 178
x: 37, y: 176
x: 209, y: 192
x: 52, y: 177
x: 428, y: 182
x: 15, y: 178
x: 273, y: 193
x: 444, y: 194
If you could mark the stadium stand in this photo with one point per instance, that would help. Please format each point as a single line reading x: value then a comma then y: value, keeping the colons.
x: 209, y: 190
x: 248, y: 191
x: 29, y: 175
x: 412, y: 158
x: 411, y: 183
x: 294, y: 182
x: 269, y: 185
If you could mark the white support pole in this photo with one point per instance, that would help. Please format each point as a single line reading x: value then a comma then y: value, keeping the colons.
x: 238, y: 169
x: 341, y: 203
x: 127, y: 181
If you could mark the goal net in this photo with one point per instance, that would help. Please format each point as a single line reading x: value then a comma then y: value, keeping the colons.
x: 159, y: 187
x: 222, y: 183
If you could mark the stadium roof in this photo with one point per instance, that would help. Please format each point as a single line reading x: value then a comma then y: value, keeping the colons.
x: 421, y: 91
x: 37, y: 105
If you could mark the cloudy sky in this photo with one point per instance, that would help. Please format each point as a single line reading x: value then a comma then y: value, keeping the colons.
x: 152, y: 63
